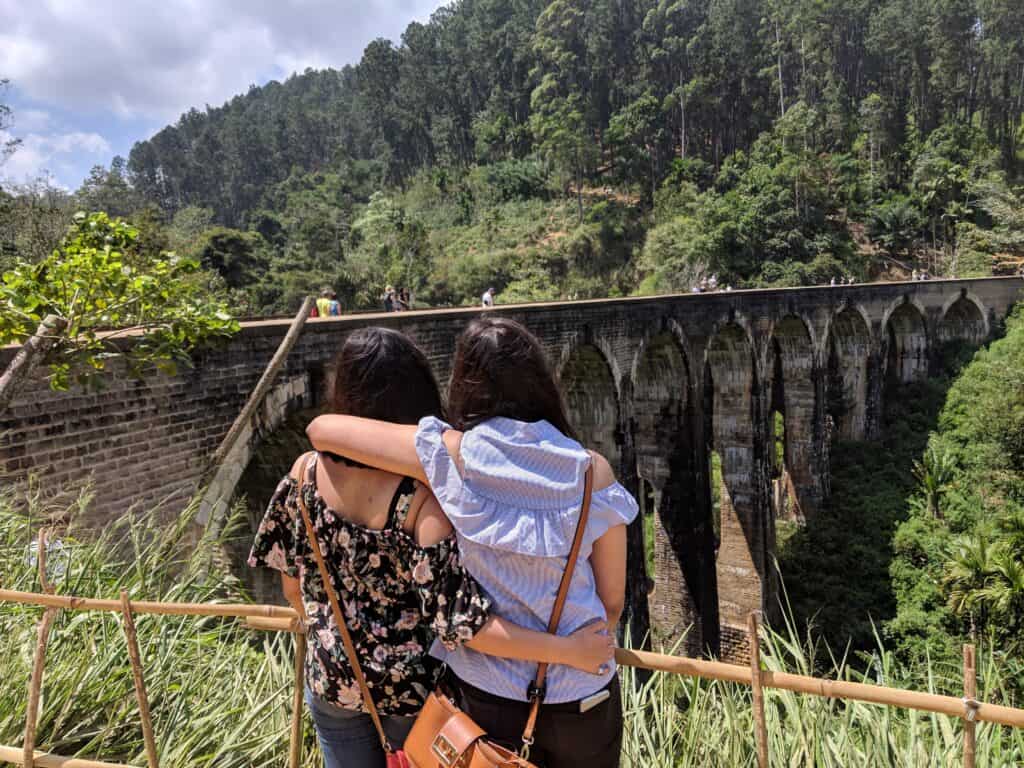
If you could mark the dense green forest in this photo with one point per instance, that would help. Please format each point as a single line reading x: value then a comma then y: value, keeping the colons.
x: 937, y: 553
x: 563, y: 148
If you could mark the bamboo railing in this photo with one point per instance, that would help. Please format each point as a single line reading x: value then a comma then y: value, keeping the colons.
x: 282, y: 619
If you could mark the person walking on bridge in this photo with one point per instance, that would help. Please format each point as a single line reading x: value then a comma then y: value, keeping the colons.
x: 323, y: 304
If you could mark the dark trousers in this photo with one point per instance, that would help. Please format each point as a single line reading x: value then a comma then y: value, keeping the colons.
x: 348, y: 739
x: 564, y: 737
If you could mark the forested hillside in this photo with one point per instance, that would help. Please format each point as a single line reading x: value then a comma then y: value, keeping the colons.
x: 585, y: 147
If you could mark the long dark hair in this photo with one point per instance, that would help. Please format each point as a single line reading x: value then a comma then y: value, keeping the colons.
x: 381, y: 374
x: 500, y: 369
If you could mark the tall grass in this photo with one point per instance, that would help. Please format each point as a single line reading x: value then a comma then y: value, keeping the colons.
x: 673, y: 722
x: 221, y: 694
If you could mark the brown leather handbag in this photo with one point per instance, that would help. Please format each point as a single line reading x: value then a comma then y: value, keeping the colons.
x: 444, y: 736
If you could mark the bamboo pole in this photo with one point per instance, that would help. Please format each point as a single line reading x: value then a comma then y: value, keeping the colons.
x: 232, y: 455
x: 295, y: 750
x: 46, y: 760
x: 274, y: 625
x: 760, y: 725
x: 35, y: 687
x: 44, y: 582
x: 142, y: 606
x: 140, y: 683
x: 281, y: 618
x: 831, y: 689
x: 263, y: 385
x: 970, y: 691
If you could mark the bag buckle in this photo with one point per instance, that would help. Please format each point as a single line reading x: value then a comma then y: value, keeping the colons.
x: 524, y: 751
x: 536, y: 692
x: 445, y: 750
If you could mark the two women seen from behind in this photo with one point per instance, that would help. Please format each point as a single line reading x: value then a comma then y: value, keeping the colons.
x: 509, y: 474
x: 392, y: 560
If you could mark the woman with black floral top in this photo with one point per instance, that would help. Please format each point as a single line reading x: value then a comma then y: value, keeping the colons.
x: 393, y: 562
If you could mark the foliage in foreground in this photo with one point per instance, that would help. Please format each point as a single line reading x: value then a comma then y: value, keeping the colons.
x: 221, y: 694
x: 674, y: 722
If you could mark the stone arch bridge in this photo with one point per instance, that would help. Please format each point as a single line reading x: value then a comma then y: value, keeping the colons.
x: 754, y: 382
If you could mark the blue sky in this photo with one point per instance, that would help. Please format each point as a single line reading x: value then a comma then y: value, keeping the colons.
x: 91, y: 77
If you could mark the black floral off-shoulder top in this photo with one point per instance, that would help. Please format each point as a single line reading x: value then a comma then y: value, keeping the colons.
x: 396, y: 595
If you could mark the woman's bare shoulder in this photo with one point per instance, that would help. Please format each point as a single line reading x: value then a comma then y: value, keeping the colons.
x: 300, y: 462
x: 604, y: 475
x: 426, y: 521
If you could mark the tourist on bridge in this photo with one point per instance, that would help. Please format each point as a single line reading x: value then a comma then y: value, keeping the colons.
x: 487, y: 300
x: 510, y: 476
x: 327, y: 305
x: 323, y: 304
x: 389, y: 299
x: 393, y: 563
x: 401, y: 299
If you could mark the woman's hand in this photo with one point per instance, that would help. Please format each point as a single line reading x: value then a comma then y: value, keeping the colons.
x: 589, y: 649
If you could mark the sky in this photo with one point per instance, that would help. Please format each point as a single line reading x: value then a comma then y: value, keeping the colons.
x: 89, y: 78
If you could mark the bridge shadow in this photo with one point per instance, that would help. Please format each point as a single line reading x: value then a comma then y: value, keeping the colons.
x: 272, y: 460
x: 835, y: 568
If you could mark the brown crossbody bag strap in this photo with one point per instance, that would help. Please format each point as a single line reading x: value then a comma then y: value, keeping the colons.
x: 339, y: 615
x: 537, y: 688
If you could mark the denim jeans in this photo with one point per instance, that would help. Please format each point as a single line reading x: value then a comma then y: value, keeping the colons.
x: 348, y: 739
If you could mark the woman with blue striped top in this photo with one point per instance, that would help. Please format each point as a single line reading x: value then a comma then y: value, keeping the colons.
x: 509, y: 474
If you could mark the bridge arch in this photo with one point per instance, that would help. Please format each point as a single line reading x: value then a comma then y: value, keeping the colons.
x: 847, y: 356
x: 793, y: 401
x: 663, y: 430
x: 963, y: 319
x: 905, y: 342
x: 743, y: 517
x: 591, y: 394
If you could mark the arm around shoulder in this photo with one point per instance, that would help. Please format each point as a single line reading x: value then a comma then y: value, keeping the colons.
x: 381, y: 444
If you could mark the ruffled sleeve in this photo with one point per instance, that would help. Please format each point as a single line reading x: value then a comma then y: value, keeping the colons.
x: 274, y: 546
x: 609, y: 507
x: 453, y: 602
x: 438, y: 465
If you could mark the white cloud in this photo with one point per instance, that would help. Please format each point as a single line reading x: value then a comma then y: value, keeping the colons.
x: 40, y: 154
x: 153, y: 60
x: 32, y: 121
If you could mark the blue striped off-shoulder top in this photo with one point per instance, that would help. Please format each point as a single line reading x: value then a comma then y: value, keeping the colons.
x: 514, y: 510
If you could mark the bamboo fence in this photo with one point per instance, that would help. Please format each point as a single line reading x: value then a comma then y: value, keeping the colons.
x: 282, y: 619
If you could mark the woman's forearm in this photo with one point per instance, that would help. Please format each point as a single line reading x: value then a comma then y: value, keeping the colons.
x: 381, y: 444
x: 589, y: 648
x: 500, y: 637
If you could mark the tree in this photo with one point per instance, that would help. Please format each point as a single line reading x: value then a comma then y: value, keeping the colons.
x: 637, y: 127
x: 7, y: 143
x: 233, y: 255
x: 35, y: 220
x: 934, y: 473
x: 74, y: 310
x: 559, y: 121
x: 108, y: 190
